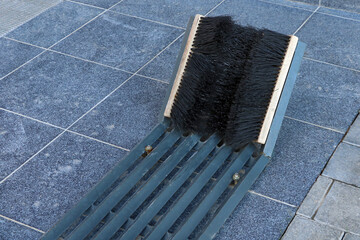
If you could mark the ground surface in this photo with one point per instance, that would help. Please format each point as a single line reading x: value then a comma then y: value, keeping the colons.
x: 83, y: 82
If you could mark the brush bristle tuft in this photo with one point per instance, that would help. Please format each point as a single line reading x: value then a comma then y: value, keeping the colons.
x: 228, y: 80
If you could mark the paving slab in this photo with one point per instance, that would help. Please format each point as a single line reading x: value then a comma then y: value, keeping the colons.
x: 256, y: 218
x: 128, y: 115
x: 13, y: 231
x: 100, y: 3
x: 14, y: 13
x: 344, y: 165
x: 260, y: 14
x: 322, y: 93
x: 306, y: 229
x: 338, y: 44
x: 300, y: 154
x: 58, y: 89
x: 45, y: 188
x: 20, y: 138
x: 315, y: 196
x: 18, y: 53
x: 341, y: 208
x: 171, y: 11
x: 353, y: 136
x: 348, y: 5
x: 54, y: 24
x: 162, y: 67
x: 119, y: 41
x: 313, y: 2
x: 349, y: 236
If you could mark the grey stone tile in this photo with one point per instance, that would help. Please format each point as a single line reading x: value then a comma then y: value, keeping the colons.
x: 119, y: 41
x: 20, y: 138
x: 304, y: 4
x: 322, y: 93
x: 315, y: 196
x: 263, y: 15
x: 313, y: 2
x: 344, y: 165
x: 341, y: 208
x: 349, y: 5
x: 162, y: 67
x: 12, y: 231
x: 300, y: 154
x: 350, y: 236
x: 14, y: 54
x: 100, y: 3
x: 337, y: 44
x: 256, y: 218
x: 353, y: 136
x: 306, y: 229
x: 171, y: 11
x: 58, y: 89
x: 128, y: 115
x: 339, y: 13
x: 56, y: 179
x: 54, y: 24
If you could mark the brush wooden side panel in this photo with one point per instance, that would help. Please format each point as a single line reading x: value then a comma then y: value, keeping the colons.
x: 280, y: 82
x: 182, y: 65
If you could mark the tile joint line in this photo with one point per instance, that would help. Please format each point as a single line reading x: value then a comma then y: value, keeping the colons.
x: 306, y: 20
x: 315, y: 125
x: 273, y: 199
x: 22, y: 224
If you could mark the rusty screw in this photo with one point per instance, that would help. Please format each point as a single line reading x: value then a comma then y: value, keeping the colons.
x: 236, y: 178
x: 148, y: 149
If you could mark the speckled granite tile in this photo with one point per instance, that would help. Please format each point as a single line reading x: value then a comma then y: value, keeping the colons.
x: 126, y: 116
x: 337, y: 45
x: 306, y: 229
x: 344, y: 164
x: 162, y: 67
x: 256, y: 218
x: 349, y: 5
x: 340, y: 13
x: 119, y: 41
x: 300, y: 154
x: 259, y: 14
x: 51, y: 183
x: 20, y: 138
x: 171, y: 11
x: 322, y: 93
x: 12, y: 231
x: 54, y: 24
x: 100, y: 3
x: 14, y: 54
x: 353, y: 136
x: 341, y: 208
x: 58, y: 89
x: 309, y: 5
x: 313, y: 2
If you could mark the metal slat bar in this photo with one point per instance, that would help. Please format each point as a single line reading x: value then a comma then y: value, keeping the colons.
x: 236, y: 196
x: 124, y: 187
x: 104, y: 184
x: 136, y: 200
x: 222, y: 183
x: 172, y: 187
x: 200, y: 181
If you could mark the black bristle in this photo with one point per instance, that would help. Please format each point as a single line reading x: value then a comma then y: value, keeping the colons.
x: 253, y: 96
x: 228, y: 80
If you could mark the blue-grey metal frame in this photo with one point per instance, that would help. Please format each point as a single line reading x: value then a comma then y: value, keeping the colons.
x: 183, y: 188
